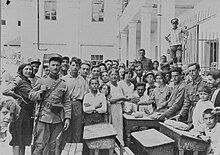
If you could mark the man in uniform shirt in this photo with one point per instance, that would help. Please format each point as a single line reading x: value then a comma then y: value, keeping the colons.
x: 55, y: 112
x: 35, y: 64
x: 80, y: 88
x: 191, y: 95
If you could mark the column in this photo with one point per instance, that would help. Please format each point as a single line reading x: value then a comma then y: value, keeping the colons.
x: 132, y: 27
x: 168, y: 13
x: 124, y: 52
x: 146, y: 30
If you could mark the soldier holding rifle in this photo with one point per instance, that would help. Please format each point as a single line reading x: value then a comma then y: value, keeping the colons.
x: 53, y: 109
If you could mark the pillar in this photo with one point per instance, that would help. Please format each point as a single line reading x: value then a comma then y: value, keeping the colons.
x: 168, y: 13
x: 146, y: 30
x: 132, y: 27
x: 124, y: 52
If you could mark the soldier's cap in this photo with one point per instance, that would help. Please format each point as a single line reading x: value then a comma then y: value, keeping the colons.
x: 56, y: 57
x: 66, y: 58
x: 133, y: 60
x: 174, y: 20
x: 32, y: 61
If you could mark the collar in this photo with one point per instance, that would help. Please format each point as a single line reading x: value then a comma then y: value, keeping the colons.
x: 54, y: 76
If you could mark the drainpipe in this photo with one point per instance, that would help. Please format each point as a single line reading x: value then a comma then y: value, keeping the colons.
x: 159, y: 27
x: 38, y: 27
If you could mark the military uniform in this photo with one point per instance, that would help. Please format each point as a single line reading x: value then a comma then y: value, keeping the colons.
x: 191, y: 98
x: 55, y: 109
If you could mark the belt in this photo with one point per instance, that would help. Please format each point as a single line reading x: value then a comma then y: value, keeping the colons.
x: 76, y: 100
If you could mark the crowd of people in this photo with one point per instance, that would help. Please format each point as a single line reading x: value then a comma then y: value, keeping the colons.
x: 72, y: 94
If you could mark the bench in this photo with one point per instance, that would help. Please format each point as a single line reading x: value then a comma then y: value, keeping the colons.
x: 120, y: 149
x: 73, y: 149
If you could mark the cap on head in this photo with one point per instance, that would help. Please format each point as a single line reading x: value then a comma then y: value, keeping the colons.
x: 174, y: 20
x: 56, y: 57
x: 149, y: 73
x: 32, y: 61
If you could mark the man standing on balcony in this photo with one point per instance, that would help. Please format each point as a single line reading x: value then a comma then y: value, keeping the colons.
x: 176, y: 38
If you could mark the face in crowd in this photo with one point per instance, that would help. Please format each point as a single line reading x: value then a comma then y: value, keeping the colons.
x: 210, y: 120
x: 95, y: 72
x: 108, y: 65
x: 113, y: 75
x: 194, y: 72
x: 27, y: 71
x: 176, y: 77
x: 105, y: 77
x: 140, y: 90
x: 65, y: 64
x: 139, y: 70
x: 74, y: 67
x: 84, y: 70
x: 94, y: 84
x: 141, y: 53
x: 35, y: 67
x: 54, y: 66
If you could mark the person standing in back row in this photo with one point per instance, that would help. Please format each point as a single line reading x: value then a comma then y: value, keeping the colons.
x: 146, y: 62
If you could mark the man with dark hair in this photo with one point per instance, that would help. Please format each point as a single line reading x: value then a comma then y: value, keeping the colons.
x: 64, y: 66
x: 175, y: 101
x: 216, y: 84
x: 108, y: 64
x: 175, y: 39
x: 115, y: 64
x: 35, y: 64
x: 146, y: 62
x: 191, y: 96
x: 53, y: 109
x: 80, y: 88
x: 139, y: 73
x: 95, y: 72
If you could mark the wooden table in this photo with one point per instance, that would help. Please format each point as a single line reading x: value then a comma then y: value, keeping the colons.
x: 152, y: 142
x: 130, y: 122
x: 99, y: 137
x: 183, y: 140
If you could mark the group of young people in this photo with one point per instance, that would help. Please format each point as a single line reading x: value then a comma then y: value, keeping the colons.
x: 72, y: 94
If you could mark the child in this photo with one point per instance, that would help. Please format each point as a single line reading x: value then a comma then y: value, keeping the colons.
x: 94, y: 104
x: 202, y: 104
x: 105, y: 89
x: 212, y: 132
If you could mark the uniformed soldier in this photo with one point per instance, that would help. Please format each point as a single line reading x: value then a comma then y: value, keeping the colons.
x: 35, y: 64
x: 55, y: 113
x: 191, y: 95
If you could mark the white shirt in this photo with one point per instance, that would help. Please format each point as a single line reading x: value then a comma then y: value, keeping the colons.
x: 94, y: 101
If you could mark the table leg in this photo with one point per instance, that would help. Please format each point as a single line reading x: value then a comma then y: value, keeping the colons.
x: 181, y: 152
x: 111, y: 151
x: 195, y: 152
x: 90, y: 152
x: 96, y: 152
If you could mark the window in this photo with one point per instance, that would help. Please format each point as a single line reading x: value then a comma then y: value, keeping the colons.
x: 50, y: 9
x: 19, y: 23
x: 97, y: 59
x: 3, y: 22
x: 97, y: 10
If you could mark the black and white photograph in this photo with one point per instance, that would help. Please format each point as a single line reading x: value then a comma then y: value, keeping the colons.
x: 110, y: 77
